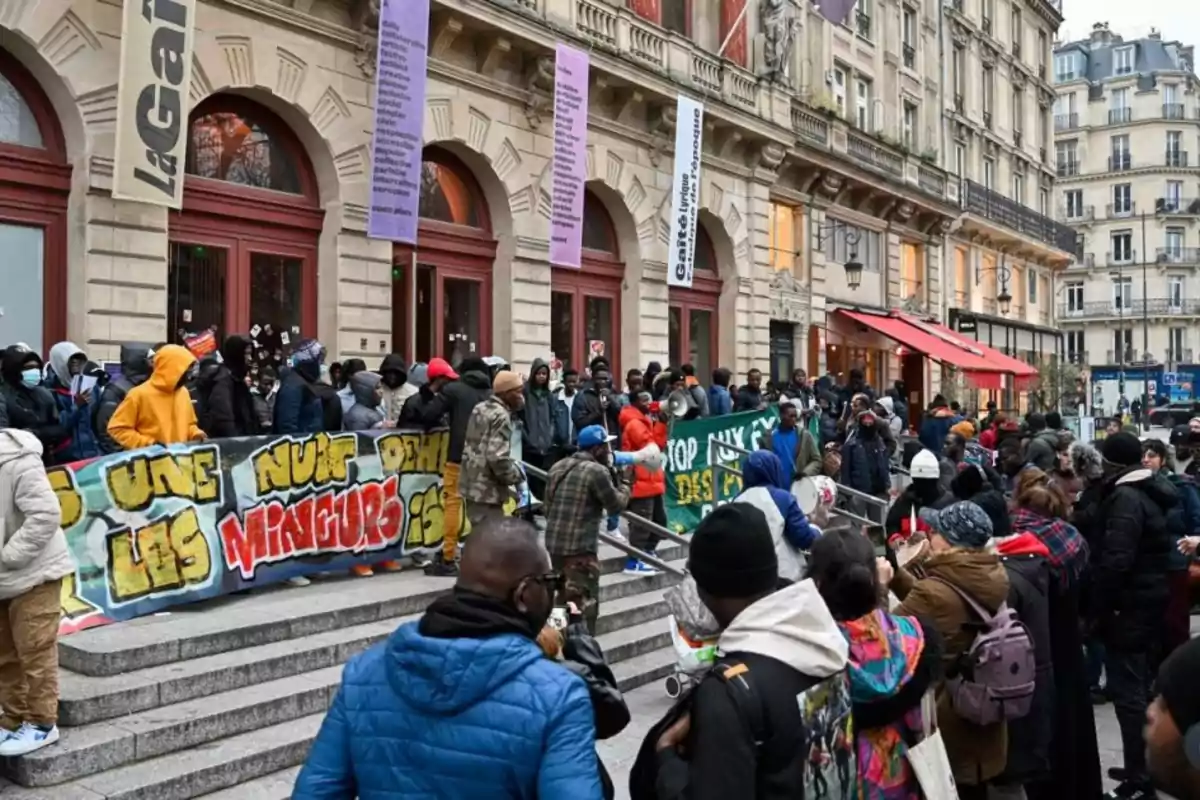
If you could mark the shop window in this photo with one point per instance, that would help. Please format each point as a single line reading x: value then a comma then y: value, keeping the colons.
x: 912, y: 270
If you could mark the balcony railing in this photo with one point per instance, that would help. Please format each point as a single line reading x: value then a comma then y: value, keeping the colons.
x: 1066, y: 169
x: 1128, y: 356
x: 1116, y: 116
x: 1172, y: 111
x: 1120, y: 162
x: 978, y: 199
x: 1120, y: 210
x: 872, y: 155
x: 1066, y: 122
x: 910, y: 56
x: 863, y: 24
x: 1079, y: 213
x: 1183, y: 356
x: 1132, y: 308
x: 1177, y: 206
x: 1078, y: 357
x: 1176, y: 158
x: 1120, y: 258
x: 1177, y: 255
x: 809, y: 125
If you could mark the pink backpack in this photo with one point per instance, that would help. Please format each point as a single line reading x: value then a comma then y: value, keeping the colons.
x: 997, y: 673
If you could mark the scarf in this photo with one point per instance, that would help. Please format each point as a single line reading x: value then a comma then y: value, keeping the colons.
x: 470, y: 615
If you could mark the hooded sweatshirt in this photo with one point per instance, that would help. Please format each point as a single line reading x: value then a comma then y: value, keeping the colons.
x: 393, y: 398
x: 540, y: 413
x: 135, y: 369
x: 795, y: 657
x: 30, y: 408
x: 367, y: 411
x: 75, y: 420
x: 160, y: 410
x: 790, y: 530
x: 33, y: 549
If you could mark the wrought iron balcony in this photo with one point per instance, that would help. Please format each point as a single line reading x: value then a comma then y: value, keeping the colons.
x: 1066, y: 122
x: 1120, y: 162
x: 1177, y: 206
x: 979, y: 200
x: 1104, y: 309
x: 1079, y: 213
x: 1176, y: 158
x: 1177, y: 255
x: 1126, y: 356
x: 1066, y: 169
x: 1120, y: 210
x: 1116, y: 116
x: 1172, y: 111
x: 1120, y: 259
x: 1078, y: 357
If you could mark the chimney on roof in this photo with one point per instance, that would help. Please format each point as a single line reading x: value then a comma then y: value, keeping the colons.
x: 1101, y: 34
x: 1155, y: 34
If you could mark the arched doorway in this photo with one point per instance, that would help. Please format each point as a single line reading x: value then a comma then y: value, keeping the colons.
x: 442, y: 290
x: 35, y: 185
x: 243, y: 250
x: 692, y: 318
x: 585, y: 303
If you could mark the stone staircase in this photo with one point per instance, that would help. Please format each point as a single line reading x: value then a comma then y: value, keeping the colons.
x: 222, y: 699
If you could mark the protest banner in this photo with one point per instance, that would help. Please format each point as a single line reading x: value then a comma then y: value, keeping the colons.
x: 690, y: 487
x: 154, y: 528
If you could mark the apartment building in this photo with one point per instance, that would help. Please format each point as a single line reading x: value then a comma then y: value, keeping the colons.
x: 998, y: 143
x: 1126, y: 119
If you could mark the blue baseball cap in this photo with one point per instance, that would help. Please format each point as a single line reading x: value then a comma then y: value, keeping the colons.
x: 593, y: 436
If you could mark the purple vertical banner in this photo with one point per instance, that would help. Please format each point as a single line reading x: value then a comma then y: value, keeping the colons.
x: 569, y: 169
x: 399, y: 119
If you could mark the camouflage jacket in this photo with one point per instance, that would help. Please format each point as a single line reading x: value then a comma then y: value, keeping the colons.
x: 489, y: 473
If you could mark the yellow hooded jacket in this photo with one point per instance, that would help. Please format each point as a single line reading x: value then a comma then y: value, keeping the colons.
x: 160, y: 410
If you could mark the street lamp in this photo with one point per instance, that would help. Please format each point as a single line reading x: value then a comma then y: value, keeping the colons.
x: 851, y: 236
x: 1003, y: 275
x: 1004, y: 299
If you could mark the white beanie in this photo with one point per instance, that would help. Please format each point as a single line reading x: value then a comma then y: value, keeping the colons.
x: 925, y: 465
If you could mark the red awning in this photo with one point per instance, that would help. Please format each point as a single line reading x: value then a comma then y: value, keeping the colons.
x: 951, y: 352
x: 1005, y: 363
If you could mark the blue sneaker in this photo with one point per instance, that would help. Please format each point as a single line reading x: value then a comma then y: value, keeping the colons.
x: 635, y: 567
x: 27, y: 739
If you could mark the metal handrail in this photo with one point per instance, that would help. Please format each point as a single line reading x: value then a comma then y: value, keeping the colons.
x: 870, y: 498
x: 839, y: 512
x: 641, y: 555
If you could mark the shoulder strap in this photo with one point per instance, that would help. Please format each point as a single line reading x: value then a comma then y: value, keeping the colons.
x: 735, y: 674
x: 970, y: 601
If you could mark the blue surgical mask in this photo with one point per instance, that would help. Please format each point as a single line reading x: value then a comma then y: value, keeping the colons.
x: 31, y: 377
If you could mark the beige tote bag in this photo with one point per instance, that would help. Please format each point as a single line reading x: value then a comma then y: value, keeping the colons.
x: 929, y: 759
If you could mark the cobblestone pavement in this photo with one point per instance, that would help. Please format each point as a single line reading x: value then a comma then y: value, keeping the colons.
x: 650, y: 702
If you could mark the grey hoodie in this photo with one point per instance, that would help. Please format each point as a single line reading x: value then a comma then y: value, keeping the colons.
x: 60, y: 355
x: 538, y: 414
x: 366, y: 412
x: 33, y: 549
x: 792, y: 625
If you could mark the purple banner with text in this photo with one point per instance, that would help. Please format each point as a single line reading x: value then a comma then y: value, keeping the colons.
x: 569, y: 169
x: 399, y: 119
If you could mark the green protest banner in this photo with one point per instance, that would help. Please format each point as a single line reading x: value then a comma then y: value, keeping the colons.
x: 690, y: 490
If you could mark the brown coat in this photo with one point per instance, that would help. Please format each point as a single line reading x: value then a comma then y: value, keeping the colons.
x: 977, y: 754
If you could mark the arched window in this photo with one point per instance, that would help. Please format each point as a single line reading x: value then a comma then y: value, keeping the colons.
x: 692, y: 317
x: 35, y: 184
x: 443, y: 308
x: 243, y: 251
x: 585, y: 303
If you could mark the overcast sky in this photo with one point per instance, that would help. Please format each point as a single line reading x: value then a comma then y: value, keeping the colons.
x: 1177, y: 19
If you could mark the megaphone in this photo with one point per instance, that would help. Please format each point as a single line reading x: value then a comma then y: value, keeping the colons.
x: 679, y: 404
x: 649, y: 457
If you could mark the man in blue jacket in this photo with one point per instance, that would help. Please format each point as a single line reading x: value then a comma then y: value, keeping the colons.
x: 463, y: 703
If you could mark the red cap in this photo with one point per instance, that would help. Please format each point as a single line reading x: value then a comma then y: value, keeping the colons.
x: 655, y: 407
x: 439, y: 368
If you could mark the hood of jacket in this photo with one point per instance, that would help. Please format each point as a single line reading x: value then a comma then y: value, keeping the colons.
x: 538, y: 363
x: 884, y: 653
x: 978, y: 573
x: 60, y: 355
x: 135, y: 364
x: 476, y: 380
x: 393, y: 361
x: 15, y: 443
x: 170, y: 364
x: 444, y: 676
x: 1049, y: 437
x: 763, y: 468
x: 792, y: 625
x: 888, y: 405
x: 14, y: 359
x: 1156, y: 486
x: 363, y: 384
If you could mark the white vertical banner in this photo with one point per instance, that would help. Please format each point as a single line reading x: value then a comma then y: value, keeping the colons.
x: 153, y: 100
x: 685, y: 192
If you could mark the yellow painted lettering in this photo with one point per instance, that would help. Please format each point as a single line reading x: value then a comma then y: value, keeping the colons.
x: 154, y: 546
x: 339, y: 451
x: 190, y: 547
x: 129, y: 484
x: 127, y: 576
x: 390, y: 447
x: 170, y: 478
x: 272, y: 468
x: 426, y: 518
x: 70, y: 501
x: 206, y: 475
x: 73, y: 604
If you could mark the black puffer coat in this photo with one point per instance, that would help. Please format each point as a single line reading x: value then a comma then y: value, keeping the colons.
x: 30, y: 408
x: 135, y: 369
x: 1130, y: 543
x: 1031, y: 737
x: 474, y: 385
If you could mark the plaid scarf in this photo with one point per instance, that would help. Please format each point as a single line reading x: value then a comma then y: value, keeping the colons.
x: 1068, y: 549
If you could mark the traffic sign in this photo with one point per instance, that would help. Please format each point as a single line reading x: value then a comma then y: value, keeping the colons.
x: 1169, y: 378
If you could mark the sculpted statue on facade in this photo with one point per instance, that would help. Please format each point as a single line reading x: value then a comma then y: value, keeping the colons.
x: 779, y: 27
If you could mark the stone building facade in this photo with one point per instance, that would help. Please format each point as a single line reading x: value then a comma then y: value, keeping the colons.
x: 800, y: 175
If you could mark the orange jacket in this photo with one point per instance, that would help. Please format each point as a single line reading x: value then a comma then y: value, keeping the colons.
x: 637, y: 431
x: 158, y: 411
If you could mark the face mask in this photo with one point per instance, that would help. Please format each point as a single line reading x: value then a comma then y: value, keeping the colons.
x: 31, y: 377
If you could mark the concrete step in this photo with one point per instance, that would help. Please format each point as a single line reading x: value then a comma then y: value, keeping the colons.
x: 87, y: 699
x: 276, y: 615
x: 628, y: 643
x: 102, y: 746
x: 613, y: 560
x: 649, y: 667
x: 276, y: 786
x: 195, y: 771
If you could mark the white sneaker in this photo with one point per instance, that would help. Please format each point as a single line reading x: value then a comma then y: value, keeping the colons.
x: 299, y: 580
x: 616, y: 534
x: 27, y: 739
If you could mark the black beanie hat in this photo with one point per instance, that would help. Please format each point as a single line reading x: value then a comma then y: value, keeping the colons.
x: 732, y: 553
x: 1177, y: 685
x: 1123, y: 449
x: 995, y: 506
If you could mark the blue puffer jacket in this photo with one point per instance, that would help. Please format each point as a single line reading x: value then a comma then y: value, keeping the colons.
x: 422, y: 717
